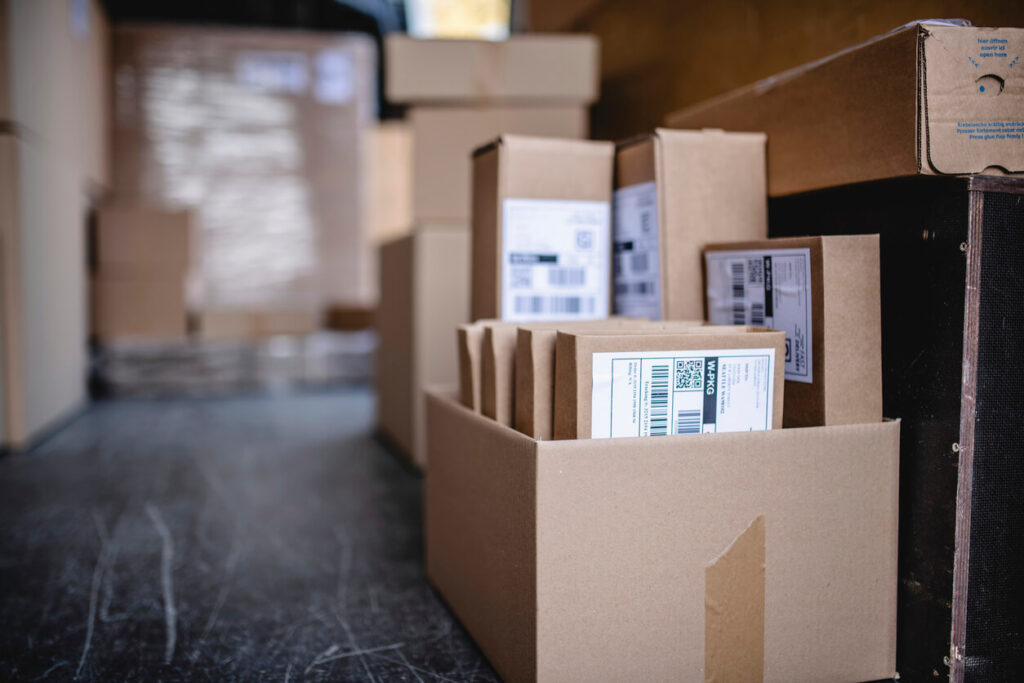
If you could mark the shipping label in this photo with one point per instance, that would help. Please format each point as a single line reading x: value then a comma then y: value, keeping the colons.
x: 767, y: 287
x: 555, y: 257
x: 637, y: 263
x: 656, y: 393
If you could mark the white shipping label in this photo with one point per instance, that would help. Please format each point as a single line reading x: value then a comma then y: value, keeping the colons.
x: 637, y: 274
x: 656, y: 393
x: 273, y: 72
x: 769, y: 287
x: 555, y: 259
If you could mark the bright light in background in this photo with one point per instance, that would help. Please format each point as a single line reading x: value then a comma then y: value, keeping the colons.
x: 487, y: 19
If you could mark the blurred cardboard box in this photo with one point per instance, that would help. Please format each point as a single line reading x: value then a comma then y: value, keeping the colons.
x: 824, y: 293
x: 424, y: 298
x: 746, y: 556
x: 929, y: 98
x: 225, y: 325
x: 524, y: 68
x: 675, y: 191
x: 542, y: 229
x: 138, y: 307
x: 444, y: 139
x: 142, y: 240
x: 389, y: 181
x: 722, y: 379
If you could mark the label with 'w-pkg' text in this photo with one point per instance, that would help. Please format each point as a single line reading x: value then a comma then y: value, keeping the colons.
x: 656, y: 393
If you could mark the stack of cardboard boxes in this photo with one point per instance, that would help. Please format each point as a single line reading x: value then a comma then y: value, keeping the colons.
x: 54, y: 111
x: 460, y: 94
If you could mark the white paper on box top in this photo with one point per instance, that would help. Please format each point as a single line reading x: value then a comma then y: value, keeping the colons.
x: 555, y: 256
x: 769, y: 287
x: 657, y: 393
x: 637, y: 275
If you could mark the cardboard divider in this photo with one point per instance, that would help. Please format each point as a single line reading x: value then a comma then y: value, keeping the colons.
x: 586, y: 559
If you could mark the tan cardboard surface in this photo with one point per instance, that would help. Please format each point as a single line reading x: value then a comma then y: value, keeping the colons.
x: 527, y: 168
x: 573, y: 365
x: 734, y: 609
x: 585, y: 559
x: 444, y: 138
x: 535, y: 366
x: 470, y: 337
x: 424, y: 298
x: 497, y: 372
x: 845, y: 330
x: 220, y: 325
x: 973, y: 99
x: 522, y: 68
x: 711, y: 187
x: 126, y: 307
x: 139, y: 240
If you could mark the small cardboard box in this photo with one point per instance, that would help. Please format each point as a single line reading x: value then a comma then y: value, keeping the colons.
x: 127, y: 307
x: 443, y: 140
x: 928, y: 98
x: 541, y: 229
x: 530, y: 68
x: 424, y: 297
x: 139, y: 240
x: 534, y: 365
x: 675, y: 192
x: 824, y: 292
x: 710, y: 379
x: 745, y: 556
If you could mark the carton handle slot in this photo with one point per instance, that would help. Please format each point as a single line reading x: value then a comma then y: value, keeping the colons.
x: 990, y: 85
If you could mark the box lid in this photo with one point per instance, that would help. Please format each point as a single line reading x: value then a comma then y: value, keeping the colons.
x: 551, y: 68
x: 971, y: 98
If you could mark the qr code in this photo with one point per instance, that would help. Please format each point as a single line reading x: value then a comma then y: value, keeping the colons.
x: 689, y: 375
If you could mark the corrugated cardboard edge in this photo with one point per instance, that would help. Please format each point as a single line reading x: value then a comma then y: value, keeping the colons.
x: 14, y: 430
x: 469, y: 340
x: 734, y: 606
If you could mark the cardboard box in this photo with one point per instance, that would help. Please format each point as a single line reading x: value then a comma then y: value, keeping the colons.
x: 444, y: 139
x: 141, y: 240
x: 675, y: 191
x: 721, y: 379
x: 138, y: 307
x: 534, y: 365
x: 424, y: 285
x: 526, y: 68
x: 746, y: 556
x: 272, y: 159
x: 541, y: 229
x: 228, y: 325
x: 824, y: 292
x: 470, y: 339
x: 389, y: 181
x: 927, y: 98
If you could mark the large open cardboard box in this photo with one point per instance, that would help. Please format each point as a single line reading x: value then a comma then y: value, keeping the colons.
x: 744, y: 556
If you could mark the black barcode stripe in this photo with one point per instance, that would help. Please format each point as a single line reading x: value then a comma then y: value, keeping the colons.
x: 757, y: 314
x: 739, y: 293
x: 567, y: 277
x: 688, y: 422
x: 659, y: 400
x: 568, y: 305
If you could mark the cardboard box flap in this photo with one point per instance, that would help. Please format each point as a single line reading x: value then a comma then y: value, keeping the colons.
x: 972, y: 98
x: 523, y: 68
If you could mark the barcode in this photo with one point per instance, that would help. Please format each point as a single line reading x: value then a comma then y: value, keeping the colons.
x: 567, y: 277
x: 688, y: 422
x: 537, y: 305
x: 659, y: 401
x: 639, y: 262
x: 739, y: 294
x: 622, y: 288
x: 757, y: 314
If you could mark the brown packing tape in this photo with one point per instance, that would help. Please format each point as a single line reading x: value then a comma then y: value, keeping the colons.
x: 734, y: 588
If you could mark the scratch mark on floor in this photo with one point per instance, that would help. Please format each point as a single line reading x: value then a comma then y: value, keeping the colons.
x: 166, y: 558
x: 222, y: 595
x: 288, y: 673
x: 416, y: 668
x: 94, y: 591
x: 409, y: 666
x: 316, y: 660
x: 354, y: 653
x: 49, y: 671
